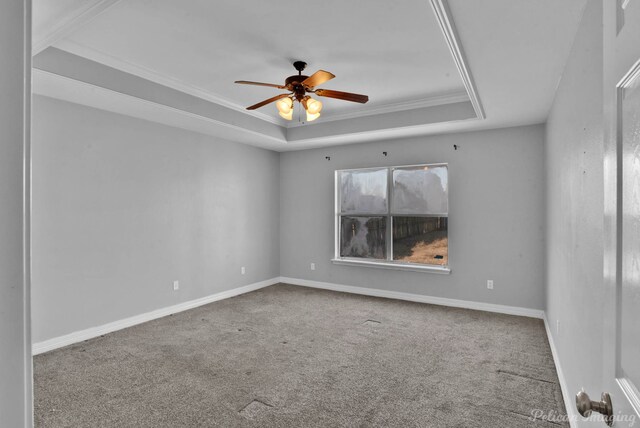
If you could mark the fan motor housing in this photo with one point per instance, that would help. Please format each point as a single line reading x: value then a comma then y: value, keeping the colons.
x: 292, y: 80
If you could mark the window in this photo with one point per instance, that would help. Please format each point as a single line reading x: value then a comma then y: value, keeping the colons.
x: 393, y: 217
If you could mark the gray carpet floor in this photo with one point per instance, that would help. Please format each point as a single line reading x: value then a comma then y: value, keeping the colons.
x: 288, y: 356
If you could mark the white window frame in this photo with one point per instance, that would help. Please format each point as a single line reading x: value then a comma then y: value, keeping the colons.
x: 388, y: 263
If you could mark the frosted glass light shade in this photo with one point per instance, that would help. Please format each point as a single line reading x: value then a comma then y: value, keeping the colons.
x: 313, y: 106
x: 285, y: 108
x: 312, y: 117
x: 287, y: 116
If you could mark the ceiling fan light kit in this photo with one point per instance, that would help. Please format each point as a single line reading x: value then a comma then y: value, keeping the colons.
x: 299, y: 85
x: 285, y: 108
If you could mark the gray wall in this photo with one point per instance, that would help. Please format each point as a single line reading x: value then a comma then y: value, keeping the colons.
x: 575, y: 204
x: 496, y: 215
x: 15, y: 351
x: 122, y: 207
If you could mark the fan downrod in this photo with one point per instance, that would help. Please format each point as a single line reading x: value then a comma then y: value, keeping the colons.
x: 293, y: 83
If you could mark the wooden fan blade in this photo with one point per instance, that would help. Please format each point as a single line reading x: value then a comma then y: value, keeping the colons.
x: 271, y: 85
x: 317, y: 78
x: 265, y: 102
x: 347, y: 96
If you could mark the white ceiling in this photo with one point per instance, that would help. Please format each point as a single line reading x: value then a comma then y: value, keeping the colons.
x: 517, y: 50
x: 392, y: 51
x: 48, y: 15
x: 398, y: 53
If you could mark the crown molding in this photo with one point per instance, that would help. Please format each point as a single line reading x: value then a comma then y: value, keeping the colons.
x: 153, y: 76
x: 61, y: 87
x: 628, y: 79
x: 394, y: 132
x: 70, y: 23
x: 436, y: 100
x: 443, y: 15
x: 68, y: 89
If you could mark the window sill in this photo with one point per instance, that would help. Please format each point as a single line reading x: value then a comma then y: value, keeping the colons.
x: 391, y: 265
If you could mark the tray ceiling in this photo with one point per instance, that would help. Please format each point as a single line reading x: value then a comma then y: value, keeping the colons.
x: 407, y: 56
x: 394, y: 52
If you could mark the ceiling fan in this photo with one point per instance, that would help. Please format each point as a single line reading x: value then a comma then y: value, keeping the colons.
x: 299, y: 86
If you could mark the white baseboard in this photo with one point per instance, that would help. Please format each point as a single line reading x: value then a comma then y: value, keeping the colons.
x: 442, y: 301
x: 511, y: 310
x: 568, y: 398
x: 79, y: 336
x: 90, y: 333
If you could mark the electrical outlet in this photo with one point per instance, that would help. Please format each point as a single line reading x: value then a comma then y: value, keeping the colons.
x: 176, y: 285
x: 243, y: 270
x: 490, y: 284
x: 313, y: 266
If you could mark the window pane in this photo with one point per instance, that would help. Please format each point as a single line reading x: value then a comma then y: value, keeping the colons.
x: 363, y: 192
x: 421, y: 240
x: 420, y: 190
x: 363, y: 237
